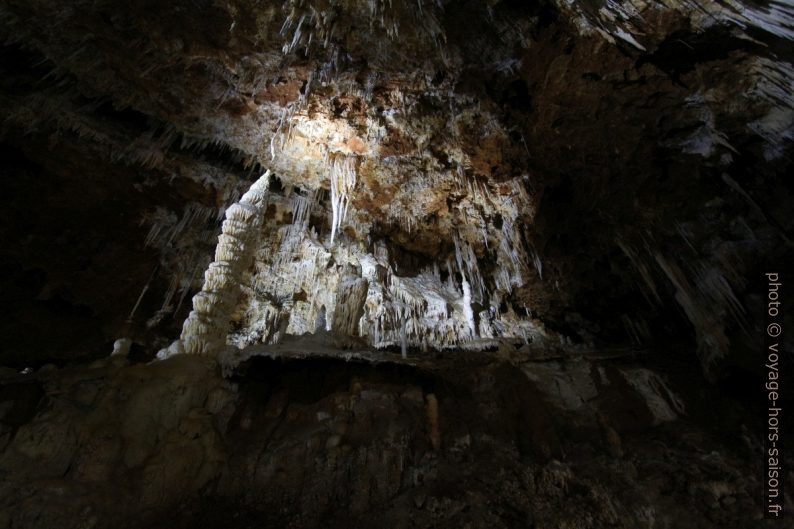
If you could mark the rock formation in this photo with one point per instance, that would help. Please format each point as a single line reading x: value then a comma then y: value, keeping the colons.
x: 205, y: 329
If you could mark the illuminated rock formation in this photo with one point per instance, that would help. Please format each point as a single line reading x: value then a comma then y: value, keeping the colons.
x: 205, y: 330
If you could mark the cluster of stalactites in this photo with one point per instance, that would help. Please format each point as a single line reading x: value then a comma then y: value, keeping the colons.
x: 461, y: 311
x: 343, y: 180
x: 290, y: 263
x: 703, y: 289
x: 424, y: 311
x: 466, y: 260
x: 205, y: 329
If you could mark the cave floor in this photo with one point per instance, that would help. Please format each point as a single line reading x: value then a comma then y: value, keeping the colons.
x: 304, y: 435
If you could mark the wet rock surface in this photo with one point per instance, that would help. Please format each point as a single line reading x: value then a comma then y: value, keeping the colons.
x: 478, y: 442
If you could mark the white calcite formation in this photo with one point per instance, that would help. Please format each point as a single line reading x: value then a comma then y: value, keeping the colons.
x: 305, y: 281
x: 343, y: 180
x: 360, y: 296
x: 294, y: 273
x: 205, y: 330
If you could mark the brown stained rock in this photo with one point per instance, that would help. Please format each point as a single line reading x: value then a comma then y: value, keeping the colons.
x: 486, y: 157
x: 280, y: 92
x: 396, y: 144
x: 375, y: 192
x: 356, y: 145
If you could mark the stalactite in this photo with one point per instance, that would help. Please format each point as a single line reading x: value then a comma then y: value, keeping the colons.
x: 343, y: 179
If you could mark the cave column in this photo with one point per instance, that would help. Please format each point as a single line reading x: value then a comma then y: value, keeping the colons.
x: 205, y: 329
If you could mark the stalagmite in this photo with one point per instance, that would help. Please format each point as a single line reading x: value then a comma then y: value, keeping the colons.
x: 204, y: 331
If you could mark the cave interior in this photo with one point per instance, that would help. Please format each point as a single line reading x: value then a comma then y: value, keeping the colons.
x: 394, y: 263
